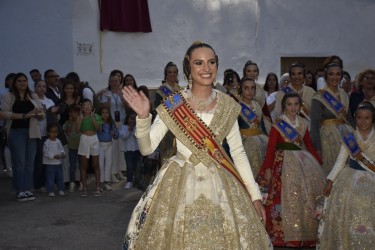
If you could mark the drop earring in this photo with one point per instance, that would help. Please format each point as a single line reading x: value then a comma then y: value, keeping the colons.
x: 190, y: 80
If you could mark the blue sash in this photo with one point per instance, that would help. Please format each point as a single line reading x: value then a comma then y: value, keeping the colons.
x: 351, y: 144
x: 288, y: 132
x: 361, y: 159
x: 287, y: 90
x: 164, y: 91
x: 249, y: 116
x: 355, y: 165
x: 332, y: 101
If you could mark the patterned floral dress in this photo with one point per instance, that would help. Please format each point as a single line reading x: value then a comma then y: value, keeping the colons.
x: 295, y: 182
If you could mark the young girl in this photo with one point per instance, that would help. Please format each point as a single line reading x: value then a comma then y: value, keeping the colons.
x: 53, y: 153
x: 348, y: 221
x: 89, y: 123
x: 73, y: 142
x: 105, y: 135
x: 292, y: 178
x: 130, y: 147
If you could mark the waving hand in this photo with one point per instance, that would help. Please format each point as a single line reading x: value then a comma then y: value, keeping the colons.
x: 137, y: 101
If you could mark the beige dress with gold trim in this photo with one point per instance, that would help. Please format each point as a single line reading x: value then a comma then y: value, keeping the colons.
x: 348, y: 221
x: 196, y: 205
x: 255, y: 144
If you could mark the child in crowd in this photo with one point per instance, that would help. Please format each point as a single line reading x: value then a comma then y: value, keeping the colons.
x: 130, y: 147
x: 89, y: 124
x: 39, y: 170
x: 105, y: 135
x: 53, y: 153
x: 73, y: 143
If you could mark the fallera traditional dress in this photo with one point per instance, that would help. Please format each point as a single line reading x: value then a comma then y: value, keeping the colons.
x: 195, y: 202
x: 330, y: 118
x: 296, y: 180
x: 254, y: 141
x: 348, y: 220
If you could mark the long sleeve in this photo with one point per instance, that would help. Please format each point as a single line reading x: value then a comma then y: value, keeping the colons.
x: 47, y: 150
x: 149, y: 136
x: 6, y: 105
x: 339, y: 164
x: 61, y: 148
x: 241, y: 162
x: 271, y: 148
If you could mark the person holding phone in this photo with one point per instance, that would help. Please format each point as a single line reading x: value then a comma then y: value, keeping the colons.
x: 89, y: 123
x: 114, y: 101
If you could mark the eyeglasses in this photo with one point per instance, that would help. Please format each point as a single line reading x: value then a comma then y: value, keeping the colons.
x: 369, y: 78
x: 87, y: 106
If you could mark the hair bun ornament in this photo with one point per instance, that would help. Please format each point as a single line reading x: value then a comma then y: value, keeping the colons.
x: 197, y: 42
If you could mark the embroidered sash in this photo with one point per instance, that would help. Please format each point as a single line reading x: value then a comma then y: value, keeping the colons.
x: 198, y: 132
x: 335, y: 104
x: 287, y: 90
x: 363, y: 160
x: 249, y: 116
x: 289, y: 133
x: 164, y: 91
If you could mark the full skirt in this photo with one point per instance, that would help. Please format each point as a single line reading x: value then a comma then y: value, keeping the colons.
x: 348, y: 221
x: 255, y: 147
x: 195, y: 207
x: 297, y: 180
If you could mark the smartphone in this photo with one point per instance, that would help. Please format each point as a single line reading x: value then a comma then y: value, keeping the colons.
x: 117, y: 116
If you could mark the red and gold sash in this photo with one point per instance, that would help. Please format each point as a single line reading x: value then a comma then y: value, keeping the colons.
x: 198, y: 133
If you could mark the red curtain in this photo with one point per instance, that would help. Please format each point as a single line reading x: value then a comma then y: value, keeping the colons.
x: 125, y: 16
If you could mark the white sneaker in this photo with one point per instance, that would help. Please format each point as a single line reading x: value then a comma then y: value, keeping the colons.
x: 72, y: 185
x: 107, y: 187
x: 61, y: 193
x: 128, y: 185
x: 51, y: 194
x: 80, y: 188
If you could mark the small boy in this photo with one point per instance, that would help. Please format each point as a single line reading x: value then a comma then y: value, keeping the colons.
x: 53, y: 153
x: 73, y: 143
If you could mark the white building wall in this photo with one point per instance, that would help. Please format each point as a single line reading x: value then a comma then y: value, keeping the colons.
x: 35, y: 34
x: 45, y: 34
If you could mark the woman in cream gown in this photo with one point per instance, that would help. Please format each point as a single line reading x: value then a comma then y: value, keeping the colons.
x: 348, y: 221
x: 330, y: 115
x: 194, y: 202
x: 254, y: 141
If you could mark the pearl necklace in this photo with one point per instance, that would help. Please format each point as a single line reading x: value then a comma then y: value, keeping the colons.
x: 201, y: 104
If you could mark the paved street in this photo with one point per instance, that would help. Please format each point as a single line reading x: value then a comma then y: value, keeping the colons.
x: 70, y: 222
